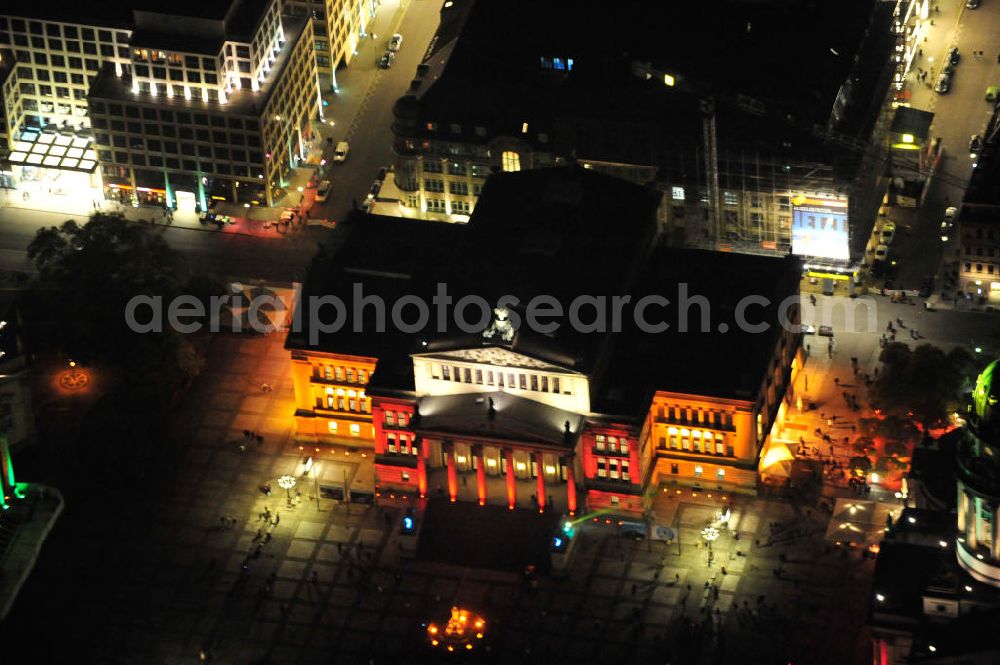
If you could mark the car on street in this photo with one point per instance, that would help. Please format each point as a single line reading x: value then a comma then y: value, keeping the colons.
x: 395, y: 42
x: 826, y: 331
x: 954, y: 57
x: 975, y: 145
x: 367, y: 205
x: 943, y: 83
x: 888, y: 233
x: 881, y: 252
x: 807, y: 329
x: 374, y: 189
x: 385, y: 62
x: 382, y: 172
x: 992, y: 93
x: 948, y: 223
x: 323, y: 191
x: 340, y: 153
x: 972, y: 4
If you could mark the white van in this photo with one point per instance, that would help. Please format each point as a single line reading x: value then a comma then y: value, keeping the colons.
x: 340, y: 154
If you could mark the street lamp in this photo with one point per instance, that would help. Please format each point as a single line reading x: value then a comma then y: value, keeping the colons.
x: 287, y: 482
x: 709, y: 533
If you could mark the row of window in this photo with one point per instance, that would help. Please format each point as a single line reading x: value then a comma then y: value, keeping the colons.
x: 442, y: 206
x: 402, y: 443
x: 396, y: 418
x: 69, y: 46
x: 980, y: 251
x: 338, y: 373
x: 334, y: 428
x: 699, y: 471
x: 456, y: 188
x: 990, y: 268
x: 173, y: 117
x: 610, y: 444
x: 687, y: 414
x: 341, y: 400
x: 57, y: 30
x: 610, y: 467
x: 695, y: 441
x: 523, y: 381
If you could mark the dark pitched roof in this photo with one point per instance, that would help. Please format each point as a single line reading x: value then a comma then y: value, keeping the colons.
x: 703, y: 361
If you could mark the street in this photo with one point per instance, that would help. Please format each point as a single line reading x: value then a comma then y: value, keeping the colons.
x: 958, y: 115
x: 362, y: 107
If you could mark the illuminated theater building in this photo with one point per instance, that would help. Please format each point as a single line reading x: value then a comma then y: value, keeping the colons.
x: 562, y: 419
x: 155, y: 104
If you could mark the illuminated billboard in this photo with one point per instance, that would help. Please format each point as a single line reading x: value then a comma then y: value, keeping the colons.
x: 819, y: 229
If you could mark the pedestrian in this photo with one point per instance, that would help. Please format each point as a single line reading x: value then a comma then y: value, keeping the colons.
x: 246, y: 434
x: 277, y: 518
x: 260, y: 440
x: 836, y: 380
x: 677, y: 578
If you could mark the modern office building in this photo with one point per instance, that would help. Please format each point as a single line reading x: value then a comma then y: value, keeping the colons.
x: 769, y: 141
x: 577, y: 415
x: 338, y: 28
x: 199, y: 98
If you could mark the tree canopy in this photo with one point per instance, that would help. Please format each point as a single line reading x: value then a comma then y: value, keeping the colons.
x: 87, y: 275
x: 924, y: 384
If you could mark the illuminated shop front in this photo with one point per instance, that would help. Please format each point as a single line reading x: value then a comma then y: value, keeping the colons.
x: 49, y: 163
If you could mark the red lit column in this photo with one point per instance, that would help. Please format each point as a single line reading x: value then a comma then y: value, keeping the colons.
x: 570, y: 485
x: 480, y: 475
x: 452, y: 477
x: 421, y: 468
x: 541, y: 482
x: 511, y: 488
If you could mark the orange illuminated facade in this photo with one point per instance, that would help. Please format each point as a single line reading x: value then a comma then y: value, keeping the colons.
x: 331, y: 405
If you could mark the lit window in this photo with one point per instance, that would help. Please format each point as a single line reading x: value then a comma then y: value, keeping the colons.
x: 524, y: 127
x: 730, y: 198
x: 569, y: 64
x: 720, y: 474
x: 401, y: 420
x: 510, y: 161
x: 558, y: 63
x: 355, y: 429
x: 677, y: 193
x: 623, y: 447
x: 332, y: 426
x: 698, y: 471
x: 599, y: 442
x: 390, y: 418
x: 391, y: 442
x: 624, y: 467
x: 546, y: 62
x: 602, y: 467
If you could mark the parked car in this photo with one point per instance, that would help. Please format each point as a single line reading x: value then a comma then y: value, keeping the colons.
x: 385, y: 62
x: 807, y: 329
x: 323, y: 191
x: 954, y: 57
x: 826, y: 331
x: 975, y: 145
x: 888, y: 233
x: 340, y: 153
x: 395, y: 42
x: 992, y: 93
x: 943, y: 83
x: 374, y: 189
x: 881, y: 252
x: 972, y: 4
x: 382, y: 172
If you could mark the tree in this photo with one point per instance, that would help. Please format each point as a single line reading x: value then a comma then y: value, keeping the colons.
x: 87, y: 276
x: 923, y: 384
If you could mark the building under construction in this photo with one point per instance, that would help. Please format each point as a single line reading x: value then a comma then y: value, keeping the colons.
x: 762, y: 123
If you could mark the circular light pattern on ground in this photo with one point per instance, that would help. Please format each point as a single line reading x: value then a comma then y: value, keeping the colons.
x: 463, y: 629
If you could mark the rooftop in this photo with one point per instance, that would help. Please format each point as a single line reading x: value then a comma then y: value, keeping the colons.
x: 118, y: 15
x: 787, y: 55
x: 108, y: 86
x: 555, y: 232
